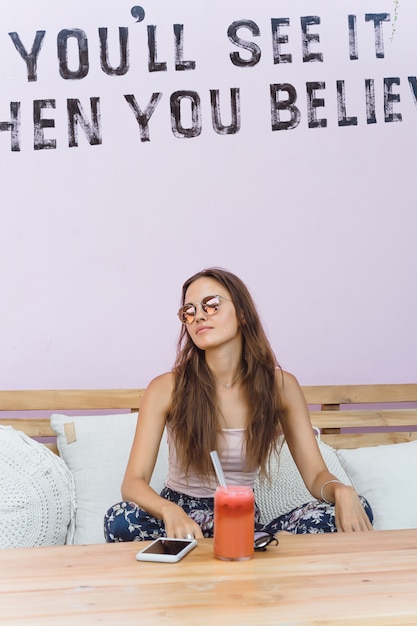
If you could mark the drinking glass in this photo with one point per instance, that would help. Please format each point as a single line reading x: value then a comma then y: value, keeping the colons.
x: 234, y: 523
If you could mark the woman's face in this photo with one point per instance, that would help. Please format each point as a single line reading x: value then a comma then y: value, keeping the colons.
x: 221, y: 328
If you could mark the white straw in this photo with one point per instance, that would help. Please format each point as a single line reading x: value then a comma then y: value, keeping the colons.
x: 218, y: 468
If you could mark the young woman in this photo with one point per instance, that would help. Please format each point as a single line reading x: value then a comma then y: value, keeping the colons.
x: 226, y: 392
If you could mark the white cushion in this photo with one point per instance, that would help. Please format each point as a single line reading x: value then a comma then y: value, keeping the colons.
x: 385, y: 475
x: 37, y: 494
x: 286, y: 489
x: 96, y: 449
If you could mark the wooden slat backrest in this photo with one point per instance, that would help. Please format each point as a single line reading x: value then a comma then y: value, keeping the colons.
x: 46, y: 402
x: 360, y: 394
x: 338, y: 410
x: 71, y: 399
x: 384, y: 414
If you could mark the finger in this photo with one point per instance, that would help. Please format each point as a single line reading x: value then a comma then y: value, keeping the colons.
x: 195, y: 531
x: 368, y: 522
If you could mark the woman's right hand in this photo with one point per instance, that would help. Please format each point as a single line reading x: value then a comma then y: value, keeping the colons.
x: 178, y: 524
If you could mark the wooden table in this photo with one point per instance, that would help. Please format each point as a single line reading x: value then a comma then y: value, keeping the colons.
x: 335, y: 579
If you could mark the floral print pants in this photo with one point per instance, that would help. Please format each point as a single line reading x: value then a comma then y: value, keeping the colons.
x: 126, y: 521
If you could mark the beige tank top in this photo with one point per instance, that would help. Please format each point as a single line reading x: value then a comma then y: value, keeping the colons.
x: 231, y: 452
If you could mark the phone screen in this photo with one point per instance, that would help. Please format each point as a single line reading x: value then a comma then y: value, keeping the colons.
x: 166, y: 550
x: 172, y: 546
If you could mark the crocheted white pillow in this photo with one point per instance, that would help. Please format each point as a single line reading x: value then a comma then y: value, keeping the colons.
x: 286, y: 489
x: 37, y: 494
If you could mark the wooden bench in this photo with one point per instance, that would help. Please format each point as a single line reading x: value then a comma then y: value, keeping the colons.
x: 352, y: 416
x: 30, y: 411
x: 348, y: 416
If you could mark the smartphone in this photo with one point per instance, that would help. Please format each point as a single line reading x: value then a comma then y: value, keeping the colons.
x: 166, y: 550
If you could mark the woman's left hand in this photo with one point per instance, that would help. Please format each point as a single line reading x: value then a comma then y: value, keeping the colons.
x: 350, y: 516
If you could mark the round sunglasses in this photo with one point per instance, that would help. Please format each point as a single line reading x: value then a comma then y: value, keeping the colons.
x: 210, y: 306
x: 262, y: 540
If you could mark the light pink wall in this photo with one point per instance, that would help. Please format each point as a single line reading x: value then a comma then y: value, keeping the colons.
x: 96, y: 240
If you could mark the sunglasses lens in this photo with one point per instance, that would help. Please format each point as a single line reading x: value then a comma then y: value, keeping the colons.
x: 187, y: 314
x: 211, y: 304
x: 263, y: 539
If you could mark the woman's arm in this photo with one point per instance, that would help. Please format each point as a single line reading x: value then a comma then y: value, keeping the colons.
x: 155, y: 407
x: 299, y: 434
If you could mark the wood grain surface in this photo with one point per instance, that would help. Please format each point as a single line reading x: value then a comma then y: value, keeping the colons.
x: 332, y: 579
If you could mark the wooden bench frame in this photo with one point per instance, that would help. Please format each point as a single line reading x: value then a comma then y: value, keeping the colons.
x: 383, y: 414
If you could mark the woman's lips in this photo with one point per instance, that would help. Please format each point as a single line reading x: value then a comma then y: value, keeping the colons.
x: 203, y: 329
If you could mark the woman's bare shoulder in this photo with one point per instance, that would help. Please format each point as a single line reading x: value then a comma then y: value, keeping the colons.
x: 288, y: 385
x: 285, y: 379
x: 162, y: 381
x: 160, y: 390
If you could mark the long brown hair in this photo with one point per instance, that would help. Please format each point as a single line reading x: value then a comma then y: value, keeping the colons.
x: 194, y: 419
